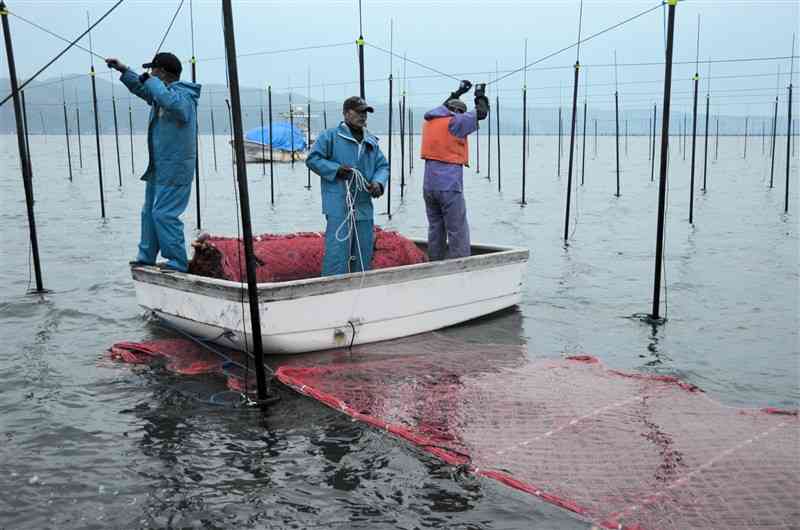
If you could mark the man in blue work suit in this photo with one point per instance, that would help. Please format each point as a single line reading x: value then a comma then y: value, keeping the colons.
x: 334, y: 156
x: 172, y: 148
x: 445, y: 149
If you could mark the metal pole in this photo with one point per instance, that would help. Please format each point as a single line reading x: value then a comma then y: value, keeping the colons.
x: 78, y: 124
x: 130, y: 137
x: 558, y: 159
x: 116, y: 138
x: 497, y: 111
x: 616, y: 136
x: 271, y: 157
x: 524, y: 138
x: 788, y: 145
x: 389, y: 182
x: 213, y: 136
x: 97, y: 144
x: 774, y: 130
x: 402, y: 107
x: 705, y: 157
x: 66, y: 134
x: 241, y: 176
x: 746, y: 120
x: 696, y: 79
x: 196, y: 140
x: 583, y: 156
x: 662, y: 188
x: 291, y: 126
x: 653, y: 161
x: 308, y: 141
x: 263, y: 146
x: 23, y: 150
x: 360, y: 46
x: 571, y: 147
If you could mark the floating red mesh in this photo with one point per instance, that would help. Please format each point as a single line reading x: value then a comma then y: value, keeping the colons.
x: 288, y: 257
x: 624, y: 450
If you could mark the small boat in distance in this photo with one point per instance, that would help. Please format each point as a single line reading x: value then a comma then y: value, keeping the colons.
x: 335, y: 311
x: 290, y: 138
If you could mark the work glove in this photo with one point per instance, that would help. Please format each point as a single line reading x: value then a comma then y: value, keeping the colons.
x: 463, y: 88
x: 111, y: 62
x: 481, y: 106
x: 144, y: 77
x: 480, y: 90
x: 344, y: 172
x: 375, y: 189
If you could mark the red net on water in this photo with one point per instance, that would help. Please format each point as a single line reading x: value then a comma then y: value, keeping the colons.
x: 285, y: 257
x: 624, y: 450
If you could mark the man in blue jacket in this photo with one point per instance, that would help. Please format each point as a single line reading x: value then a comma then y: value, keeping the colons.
x: 172, y: 147
x: 352, y: 171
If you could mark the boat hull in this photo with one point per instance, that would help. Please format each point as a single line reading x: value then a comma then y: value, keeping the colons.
x: 255, y: 152
x: 332, y: 312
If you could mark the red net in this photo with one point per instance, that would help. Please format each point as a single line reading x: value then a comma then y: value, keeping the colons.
x: 622, y: 450
x: 285, y: 257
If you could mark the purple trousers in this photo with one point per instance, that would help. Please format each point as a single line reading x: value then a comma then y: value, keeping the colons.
x: 448, y: 231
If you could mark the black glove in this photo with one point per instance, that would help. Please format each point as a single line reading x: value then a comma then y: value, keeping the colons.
x: 464, y: 87
x: 375, y: 189
x: 480, y: 90
x: 344, y: 172
x: 481, y: 106
x: 144, y: 77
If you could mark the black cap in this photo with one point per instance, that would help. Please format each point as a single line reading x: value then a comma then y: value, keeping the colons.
x: 166, y: 61
x: 356, y: 103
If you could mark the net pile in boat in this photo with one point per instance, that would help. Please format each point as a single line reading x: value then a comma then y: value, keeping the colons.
x: 285, y: 257
x: 623, y: 450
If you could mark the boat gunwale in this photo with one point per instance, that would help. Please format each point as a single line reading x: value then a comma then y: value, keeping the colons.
x: 490, y: 256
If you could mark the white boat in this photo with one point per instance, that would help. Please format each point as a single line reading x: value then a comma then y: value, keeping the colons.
x: 257, y: 152
x: 335, y: 311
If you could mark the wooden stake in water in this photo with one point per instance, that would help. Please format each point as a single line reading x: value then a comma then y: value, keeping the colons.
x: 524, y: 139
x: 662, y: 188
x: 24, y: 152
x: 271, y: 157
x: 573, y: 121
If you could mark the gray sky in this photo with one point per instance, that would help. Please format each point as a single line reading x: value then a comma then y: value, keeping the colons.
x: 451, y: 36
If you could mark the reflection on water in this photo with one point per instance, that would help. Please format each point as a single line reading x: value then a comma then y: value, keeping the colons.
x: 90, y: 444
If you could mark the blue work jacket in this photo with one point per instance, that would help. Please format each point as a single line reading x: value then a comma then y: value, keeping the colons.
x: 336, y: 147
x: 172, y: 130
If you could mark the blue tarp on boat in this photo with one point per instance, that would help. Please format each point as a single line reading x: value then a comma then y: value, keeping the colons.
x: 282, y: 133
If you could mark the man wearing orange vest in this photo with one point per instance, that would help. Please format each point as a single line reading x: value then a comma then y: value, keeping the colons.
x: 446, y: 151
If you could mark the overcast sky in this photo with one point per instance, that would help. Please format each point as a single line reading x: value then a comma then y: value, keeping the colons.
x: 455, y: 37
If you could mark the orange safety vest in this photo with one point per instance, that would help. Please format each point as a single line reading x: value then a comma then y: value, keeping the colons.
x: 439, y: 144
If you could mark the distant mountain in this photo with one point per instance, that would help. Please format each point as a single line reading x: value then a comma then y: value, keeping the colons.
x: 46, y: 114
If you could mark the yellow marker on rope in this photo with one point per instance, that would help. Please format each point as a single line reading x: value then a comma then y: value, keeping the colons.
x: 360, y: 41
x: 695, y: 77
x: 193, y: 60
x: 672, y: 2
x: 4, y: 12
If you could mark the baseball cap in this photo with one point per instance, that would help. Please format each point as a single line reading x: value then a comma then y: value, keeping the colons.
x: 356, y: 103
x: 167, y: 61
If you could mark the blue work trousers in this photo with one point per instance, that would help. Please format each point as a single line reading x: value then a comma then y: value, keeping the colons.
x: 342, y: 257
x: 448, y: 231
x: 162, y: 228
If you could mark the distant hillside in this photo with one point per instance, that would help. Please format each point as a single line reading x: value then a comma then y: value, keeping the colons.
x: 45, y: 112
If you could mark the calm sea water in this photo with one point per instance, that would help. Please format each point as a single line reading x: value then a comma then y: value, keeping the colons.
x: 89, y: 444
